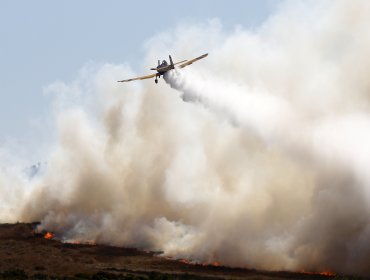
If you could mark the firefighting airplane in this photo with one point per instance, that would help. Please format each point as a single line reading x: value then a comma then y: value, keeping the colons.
x: 164, y: 67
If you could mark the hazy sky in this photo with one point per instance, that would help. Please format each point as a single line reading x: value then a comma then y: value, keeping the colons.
x: 45, y: 41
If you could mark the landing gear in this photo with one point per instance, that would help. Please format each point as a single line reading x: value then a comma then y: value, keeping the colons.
x: 156, y: 80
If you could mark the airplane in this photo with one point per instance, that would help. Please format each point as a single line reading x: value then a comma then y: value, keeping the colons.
x: 164, y: 67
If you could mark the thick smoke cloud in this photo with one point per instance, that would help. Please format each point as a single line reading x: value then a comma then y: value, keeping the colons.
x: 265, y: 165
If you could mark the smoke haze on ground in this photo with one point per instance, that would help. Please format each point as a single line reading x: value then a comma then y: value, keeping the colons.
x: 264, y: 166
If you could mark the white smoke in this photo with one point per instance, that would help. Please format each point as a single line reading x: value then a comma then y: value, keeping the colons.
x: 265, y: 167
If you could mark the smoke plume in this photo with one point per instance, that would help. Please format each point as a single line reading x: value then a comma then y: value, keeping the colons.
x: 264, y: 166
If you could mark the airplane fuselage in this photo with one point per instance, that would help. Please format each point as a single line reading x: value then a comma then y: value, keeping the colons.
x: 164, y: 67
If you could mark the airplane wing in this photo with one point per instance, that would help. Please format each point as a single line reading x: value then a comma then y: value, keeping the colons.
x: 179, y: 62
x: 192, y: 60
x: 138, y: 78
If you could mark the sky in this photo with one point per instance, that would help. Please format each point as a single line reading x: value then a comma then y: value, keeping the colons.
x: 47, y: 41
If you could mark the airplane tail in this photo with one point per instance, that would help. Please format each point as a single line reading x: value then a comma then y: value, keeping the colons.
x: 171, y: 63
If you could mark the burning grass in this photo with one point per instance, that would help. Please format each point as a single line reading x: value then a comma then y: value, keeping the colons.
x: 27, y: 254
x: 49, y: 235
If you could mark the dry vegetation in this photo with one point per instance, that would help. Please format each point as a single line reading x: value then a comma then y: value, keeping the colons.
x: 26, y: 255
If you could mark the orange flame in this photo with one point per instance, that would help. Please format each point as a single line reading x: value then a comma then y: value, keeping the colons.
x: 215, y: 264
x: 323, y: 273
x: 49, y: 235
x: 184, y: 261
x: 328, y: 273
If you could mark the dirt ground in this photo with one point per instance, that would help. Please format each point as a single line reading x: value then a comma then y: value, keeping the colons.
x: 25, y: 254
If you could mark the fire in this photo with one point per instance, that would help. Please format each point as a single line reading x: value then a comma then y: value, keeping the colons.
x: 49, y: 235
x: 328, y: 273
x: 185, y: 261
x: 215, y: 264
x: 323, y: 273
